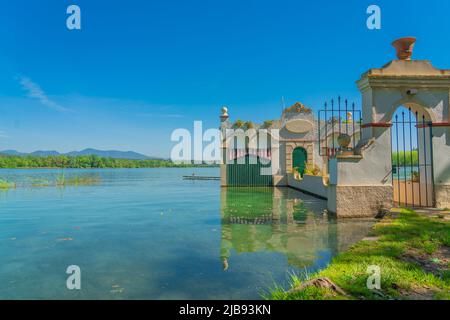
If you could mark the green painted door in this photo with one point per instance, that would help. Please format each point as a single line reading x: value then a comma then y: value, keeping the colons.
x: 299, y: 159
x: 248, y: 174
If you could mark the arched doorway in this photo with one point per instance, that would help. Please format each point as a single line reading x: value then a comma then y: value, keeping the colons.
x: 299, y: 160
x: 412, y: 159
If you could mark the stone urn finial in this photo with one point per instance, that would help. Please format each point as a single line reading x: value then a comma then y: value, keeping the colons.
x: 349, y: 117
x: 224, y: 115
x: 344, y: 141
x: 405, y: 47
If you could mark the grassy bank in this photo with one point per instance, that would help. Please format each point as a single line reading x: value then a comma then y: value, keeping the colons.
x: 412, y: 251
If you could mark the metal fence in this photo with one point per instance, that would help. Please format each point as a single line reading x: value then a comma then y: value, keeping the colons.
x: 333, y: 121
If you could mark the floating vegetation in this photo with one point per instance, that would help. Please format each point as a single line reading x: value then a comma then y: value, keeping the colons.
x: 5, y: 185
x: 59, y: 181
x: 63, y: 181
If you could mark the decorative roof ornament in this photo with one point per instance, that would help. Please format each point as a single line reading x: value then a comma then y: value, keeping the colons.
x: 405, y: 47
x: 299, y: 108
x: 224, y: 115
x: 349, y: 117
x: 224, y: 111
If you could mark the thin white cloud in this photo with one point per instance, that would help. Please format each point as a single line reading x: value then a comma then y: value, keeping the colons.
x: 161, y: 115
x: 3, y: 135
x: 34, y: 91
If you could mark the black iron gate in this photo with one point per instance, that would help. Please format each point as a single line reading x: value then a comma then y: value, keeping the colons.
x: 412, y: 160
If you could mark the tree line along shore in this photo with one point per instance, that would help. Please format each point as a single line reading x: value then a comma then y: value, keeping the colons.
x: 85, y: 162
x: 93, y: 161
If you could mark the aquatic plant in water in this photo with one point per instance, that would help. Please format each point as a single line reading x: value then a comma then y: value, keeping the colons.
x: 4, y: 185
x: 62, y: 181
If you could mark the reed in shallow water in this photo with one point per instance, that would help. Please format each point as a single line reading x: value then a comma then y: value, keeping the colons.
x: 4, y: 185
x: 63, y: 181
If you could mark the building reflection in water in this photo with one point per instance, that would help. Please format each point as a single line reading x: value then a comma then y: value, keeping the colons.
x: 286, y: 221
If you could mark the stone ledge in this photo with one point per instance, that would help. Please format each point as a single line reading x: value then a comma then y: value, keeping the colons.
x: 349, y: 157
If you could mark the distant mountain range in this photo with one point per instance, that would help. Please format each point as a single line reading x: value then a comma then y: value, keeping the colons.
x: 106, y: 154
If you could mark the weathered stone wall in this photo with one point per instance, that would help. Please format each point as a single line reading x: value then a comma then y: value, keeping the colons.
x: 442, y: 193
x: 362, y: 201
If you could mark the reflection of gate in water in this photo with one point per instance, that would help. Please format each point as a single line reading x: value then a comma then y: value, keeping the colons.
x: 412, y: 160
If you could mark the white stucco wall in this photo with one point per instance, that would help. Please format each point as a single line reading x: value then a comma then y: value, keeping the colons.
x: 373, y: 168
x: 441, y: 152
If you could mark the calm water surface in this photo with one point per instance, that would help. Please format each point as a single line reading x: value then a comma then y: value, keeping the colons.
x: 147, y: 234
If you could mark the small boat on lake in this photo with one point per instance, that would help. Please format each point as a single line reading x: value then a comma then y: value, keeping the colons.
x: 195, y: 177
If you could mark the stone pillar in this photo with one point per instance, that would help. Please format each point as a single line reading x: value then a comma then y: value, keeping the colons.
x: 361, y: 185
x: 224, y: 146
x: 441, y: 165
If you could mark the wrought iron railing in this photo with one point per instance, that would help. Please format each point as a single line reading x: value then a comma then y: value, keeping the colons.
x: 336, y: 121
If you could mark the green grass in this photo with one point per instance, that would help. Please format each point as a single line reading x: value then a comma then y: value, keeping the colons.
x: 5, y: 185
x: 408, y: 232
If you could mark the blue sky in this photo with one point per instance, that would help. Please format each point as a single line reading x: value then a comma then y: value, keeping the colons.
x: 139, y: 69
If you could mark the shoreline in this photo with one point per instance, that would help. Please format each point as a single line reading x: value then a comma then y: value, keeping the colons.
x: 412, y: 251
x: 59, y: 168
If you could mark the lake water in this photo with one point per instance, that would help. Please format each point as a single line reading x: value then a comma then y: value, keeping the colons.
x: 405, y: 172
x: 147, y: 234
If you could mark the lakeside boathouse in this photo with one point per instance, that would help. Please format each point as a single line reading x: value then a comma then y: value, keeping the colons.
x: 393, y: 151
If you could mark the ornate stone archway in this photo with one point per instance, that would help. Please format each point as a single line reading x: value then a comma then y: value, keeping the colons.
x: 291, y: 146
x: 362, y: 184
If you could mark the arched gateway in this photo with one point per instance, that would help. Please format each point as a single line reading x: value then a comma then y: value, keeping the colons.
x: 363, y: 183
x: 412, y: 158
